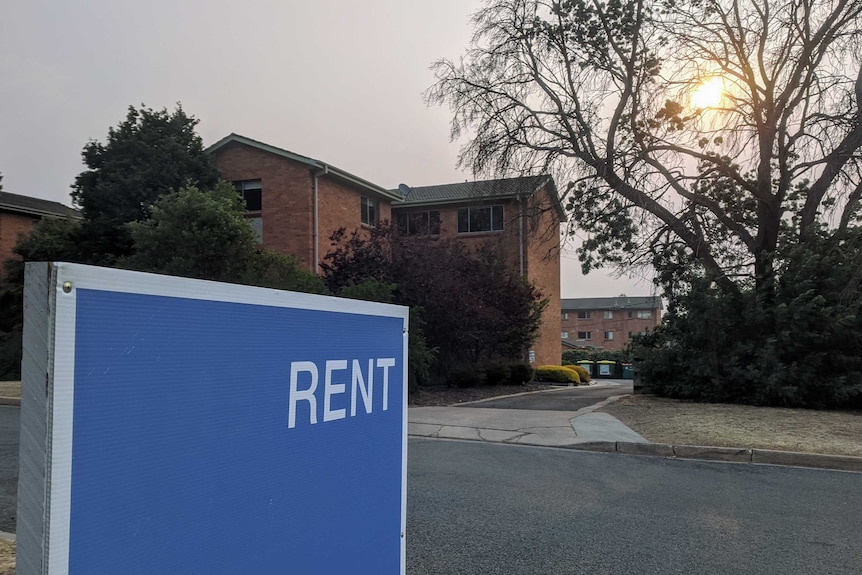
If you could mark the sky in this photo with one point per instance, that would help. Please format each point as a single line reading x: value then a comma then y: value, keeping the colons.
x: 334, y: 80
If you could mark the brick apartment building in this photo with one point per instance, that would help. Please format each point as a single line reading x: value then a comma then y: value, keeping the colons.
x: 521, y: 215
x: 295, y: 203
x: 18, y: 215
x: 607, y: 322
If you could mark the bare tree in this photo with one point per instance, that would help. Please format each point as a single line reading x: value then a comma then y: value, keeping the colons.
x: 614, y: 97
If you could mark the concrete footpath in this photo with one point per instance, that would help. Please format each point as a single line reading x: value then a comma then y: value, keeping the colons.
x: 521, y: 426
x: 586, y: 429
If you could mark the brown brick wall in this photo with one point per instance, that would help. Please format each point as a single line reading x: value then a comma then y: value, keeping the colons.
x: 339, y: 206
x: 507, y: 239
x: 541, y: 257
x: 286, y: 191
x: 288, y: 200
x: 11, y: 226
x: 542, y: 226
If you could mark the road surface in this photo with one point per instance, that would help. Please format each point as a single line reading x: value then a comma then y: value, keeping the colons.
x: 503, y: 509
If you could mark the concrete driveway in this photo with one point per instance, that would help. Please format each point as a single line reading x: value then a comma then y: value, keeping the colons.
x: 554, y: 418
x: 562, y: 399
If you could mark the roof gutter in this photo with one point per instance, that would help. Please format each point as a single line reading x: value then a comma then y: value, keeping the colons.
x: 38, y: 212
x: 521, y: 232
x: 315, y: 267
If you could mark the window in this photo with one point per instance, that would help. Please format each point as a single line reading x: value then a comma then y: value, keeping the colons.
x: 256, y: 223
x: 564, y: 335
x: 609, y: 336
x: 609, y: 315
x: 585, y: 335
x: 644, y: 314
x: 251, y: 192
x: 631, y: 333
x: 419, y: 223
x: 583, y: 315
x: 480, y: 219
x: 564, y: 316
x: 369, y: 213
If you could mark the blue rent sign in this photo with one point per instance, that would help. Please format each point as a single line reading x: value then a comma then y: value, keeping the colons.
x: 197, y: 427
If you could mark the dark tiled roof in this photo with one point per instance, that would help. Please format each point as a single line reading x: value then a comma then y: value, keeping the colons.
x: 471, y: 191
x: 35, y: 206
x: 611, y: 303
x: 468, y: 192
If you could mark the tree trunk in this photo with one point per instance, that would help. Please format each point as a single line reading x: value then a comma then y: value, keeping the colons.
x: 766, y: 244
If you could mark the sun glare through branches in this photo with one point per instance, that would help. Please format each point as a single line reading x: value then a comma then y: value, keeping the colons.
x: 709, y: 93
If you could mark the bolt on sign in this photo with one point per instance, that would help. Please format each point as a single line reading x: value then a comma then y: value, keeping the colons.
x: 172, y: 425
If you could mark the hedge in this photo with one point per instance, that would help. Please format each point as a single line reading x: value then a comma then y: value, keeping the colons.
x: 557, y: 374
x: 583, y: 372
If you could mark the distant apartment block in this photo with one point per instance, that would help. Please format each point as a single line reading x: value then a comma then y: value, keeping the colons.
x: 607, y: 322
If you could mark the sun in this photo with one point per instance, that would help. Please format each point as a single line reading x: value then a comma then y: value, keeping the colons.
x: 708, y: 94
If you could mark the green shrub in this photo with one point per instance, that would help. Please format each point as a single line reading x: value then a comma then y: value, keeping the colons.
x: 557, y: 374
x: 520, y: 373
x: 582, y: 372
x: 11, y: 330
x: 496, y: 374
x: 466, y: 376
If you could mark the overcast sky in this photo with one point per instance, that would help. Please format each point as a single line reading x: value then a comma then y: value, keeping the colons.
x: 339, y: 81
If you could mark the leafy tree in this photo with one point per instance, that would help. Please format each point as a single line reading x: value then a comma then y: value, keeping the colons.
x: 475, y: 307
x: 356, y: 258
x: 150, y: 154
x: 204, y: 234
x: 266, y: 268
x: 11, y: 331
x: 715, y: 140
x: 591, y: 354
x: 610, y: 94
x: 803, y: 351
x: 193, y: 233
x: 51, y: 239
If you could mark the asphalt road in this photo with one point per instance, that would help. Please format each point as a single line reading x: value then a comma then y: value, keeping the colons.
x: 9, y: 423
x: 566, y: 399
x: 502, y: 509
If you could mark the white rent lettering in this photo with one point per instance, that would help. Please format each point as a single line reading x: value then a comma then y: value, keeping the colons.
x: 331, y: 389
x: 386, y: 363
x: 296, y: 367
x: 334, y: 385
x: 366, y: 392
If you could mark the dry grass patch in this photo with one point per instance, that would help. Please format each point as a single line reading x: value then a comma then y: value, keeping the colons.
x: 7, y: 558
x: 10, y: 389
x: 684, y: 423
